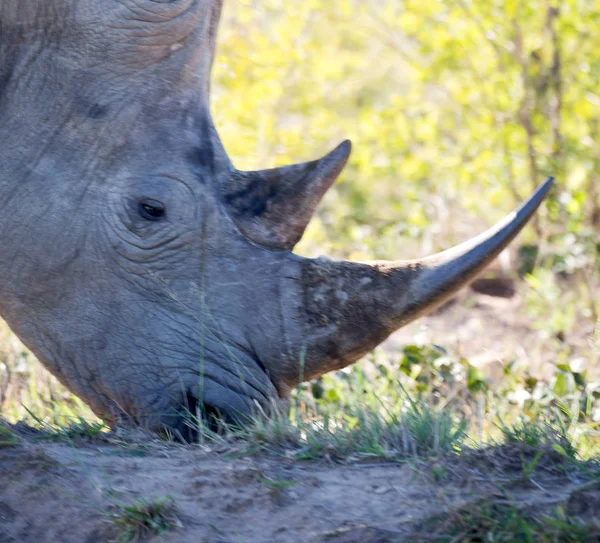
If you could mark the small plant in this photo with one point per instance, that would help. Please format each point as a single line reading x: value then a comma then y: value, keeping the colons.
x: 278, y: 485
x: 81, y: 428
x: 549, y: 433
x: 7, y: 437
x: 144, y: 519
x: 78, y: 428
x: 503, y: 522
x: 529, y: 467
x: 433, y: 431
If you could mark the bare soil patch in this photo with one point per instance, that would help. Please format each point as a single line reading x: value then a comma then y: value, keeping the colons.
x: 69, y: 492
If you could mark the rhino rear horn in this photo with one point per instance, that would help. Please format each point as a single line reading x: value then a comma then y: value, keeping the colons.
x: 273, y: 207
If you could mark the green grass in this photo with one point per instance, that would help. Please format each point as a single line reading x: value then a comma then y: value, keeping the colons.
x: 414, y: 430
x: 75, y: 429
x: 545, y: 432
x: 144, y: 518
x: 537, y: 433
x: 7, y: 437
x: 354, y: 433
x: 499, y: 521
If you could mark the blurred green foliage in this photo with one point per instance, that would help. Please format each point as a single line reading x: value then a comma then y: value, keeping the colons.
x: 457, y: 109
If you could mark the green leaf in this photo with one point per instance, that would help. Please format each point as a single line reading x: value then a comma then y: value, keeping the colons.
x: 560, y: 450
x: 561, y: 386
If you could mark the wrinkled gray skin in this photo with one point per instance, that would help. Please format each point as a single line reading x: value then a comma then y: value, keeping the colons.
x: 104, y: 125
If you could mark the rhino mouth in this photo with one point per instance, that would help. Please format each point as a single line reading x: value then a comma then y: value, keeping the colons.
x: 215, y: 404
x: 194, y: 416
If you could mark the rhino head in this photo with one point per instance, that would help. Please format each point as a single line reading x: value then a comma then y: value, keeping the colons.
x: 144, y: 270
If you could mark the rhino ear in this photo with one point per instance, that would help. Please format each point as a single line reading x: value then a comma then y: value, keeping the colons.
x: 273, y: 207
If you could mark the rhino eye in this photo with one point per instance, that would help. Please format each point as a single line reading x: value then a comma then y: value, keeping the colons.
x: 152, y: 210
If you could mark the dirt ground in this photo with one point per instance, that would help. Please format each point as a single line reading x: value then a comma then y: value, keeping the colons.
x: 66, y: 492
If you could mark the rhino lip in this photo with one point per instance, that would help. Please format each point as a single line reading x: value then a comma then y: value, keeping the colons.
x: 192, y: 411
x: 193, y: 414
x: 237, y: 398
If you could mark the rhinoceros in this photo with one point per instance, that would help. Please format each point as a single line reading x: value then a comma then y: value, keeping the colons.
x: 143, y: 269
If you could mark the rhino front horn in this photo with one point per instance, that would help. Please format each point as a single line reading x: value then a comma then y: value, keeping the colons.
x: 348, y: 308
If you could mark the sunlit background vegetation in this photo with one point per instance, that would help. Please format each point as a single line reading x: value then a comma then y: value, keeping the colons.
x: 457, y: 109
